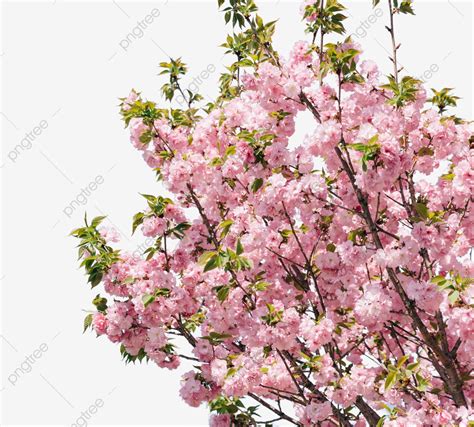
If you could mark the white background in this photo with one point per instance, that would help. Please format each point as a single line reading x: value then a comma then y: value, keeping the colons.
x: 62, y: 62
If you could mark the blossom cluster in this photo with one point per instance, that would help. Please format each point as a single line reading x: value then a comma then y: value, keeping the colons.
x: 331, y: 272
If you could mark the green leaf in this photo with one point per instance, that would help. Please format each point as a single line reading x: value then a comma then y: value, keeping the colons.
x: 147, y: 300
x: 231, y: 150
x: 212, y: 263
x: 422, y: 210
x: 100, y: 303
x: 146, y: 137
x: 425, y: 151
x: 261, y: 286
x: 448, y: 176
x: 95, y: 279
x: 453, y: 296
x: 162, y: 292
x: 423, y: 383
x: 390, y: 380
x: 413, y: 366
x: 222, y: 292
x: 204, y: 258
x: 239, y: 248
x: 256, y: 184
x: 97, y: 220
x: 216, y: 338
x: 216, y: 161
x: 438, y: 279
x: 402, y: 361
x: 443, y: 99
x: 403, y: 92
x: 406, y: 7
x: 88, y: 322
x: 225, y: 226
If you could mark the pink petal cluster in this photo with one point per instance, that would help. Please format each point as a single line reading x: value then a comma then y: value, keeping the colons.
x: 317, y: 297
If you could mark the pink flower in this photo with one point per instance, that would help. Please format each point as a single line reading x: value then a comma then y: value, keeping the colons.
x: 219, y: 370
x: 316, y: 412
x: 153, y: 226
x: 203, y: 350
x: 220, y: 420
x: 110, y: 234
x: 308, y: 3
x: 99, y: 323
x: 192, y: 390
x: 372, y: 309
x: 316, y: 335
x: 157, y: 337
x: 426, y: 295
x: 328, y: 263
x: 132, y: 97
x: 276, y: 154
x: 292, y: 89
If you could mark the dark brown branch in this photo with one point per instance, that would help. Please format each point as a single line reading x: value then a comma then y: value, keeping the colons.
x: 273, y: 409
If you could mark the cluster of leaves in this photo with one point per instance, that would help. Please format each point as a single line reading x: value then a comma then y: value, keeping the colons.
x: 255, y: 40
x: 274, y: 316
x: 454, y: 284
x: 149, y: 112
x: 369, y: 150
x: 310, y: 361
x: 169, y: 349
x: 147, y: 299
x: 249, y: 53
x: 238, y: 45
x: 258, y: 140
x: 146, y: 110
x: 422, y: 213
x: 241, y: 416
x: 157, y: 206
x: 215, y: 338
x: 237, y: 11
x: 97, y: 257
x: 404, y: 6
x: 342, y: 62
x: 228, y: 259
x: 129, y: 358
x: 404, y: 91
x: 193, y: 322
x: 329, y: 18
x: 100, y: 305
x: 175, y: 69
x: 251, y: 47
x: 402, y: 373
x: 279, y: 115
x: 219, y: 161
x: 443, y: 99
x: 358, y: 236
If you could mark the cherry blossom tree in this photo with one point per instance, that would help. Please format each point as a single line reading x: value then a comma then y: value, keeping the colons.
x: 325, y: 280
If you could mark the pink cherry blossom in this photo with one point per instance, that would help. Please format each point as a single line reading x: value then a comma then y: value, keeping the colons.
x: 322, y: 267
